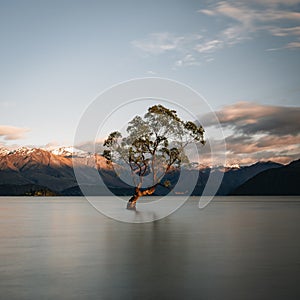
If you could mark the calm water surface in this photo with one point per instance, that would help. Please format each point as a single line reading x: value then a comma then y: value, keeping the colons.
x: 235, y: 248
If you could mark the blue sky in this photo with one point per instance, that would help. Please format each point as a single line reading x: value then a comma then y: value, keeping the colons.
x: 57, y: 56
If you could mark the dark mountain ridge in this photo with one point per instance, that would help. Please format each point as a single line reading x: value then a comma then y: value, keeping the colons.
x: 279, y: 181
x: 25, y: 170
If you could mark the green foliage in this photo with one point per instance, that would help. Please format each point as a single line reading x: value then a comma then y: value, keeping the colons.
x: 153, y: 144
x: 167, y: 183
x: 107, y: 154
x: 195, y: 131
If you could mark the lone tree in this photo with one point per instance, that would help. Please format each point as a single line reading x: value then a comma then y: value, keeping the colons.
x: 153, y: 144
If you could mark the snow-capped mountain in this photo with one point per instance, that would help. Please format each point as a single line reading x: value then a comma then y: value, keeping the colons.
x: 54, y: 170
x: 3, y: 151
x: 49, y: 168
x: 69, y: 152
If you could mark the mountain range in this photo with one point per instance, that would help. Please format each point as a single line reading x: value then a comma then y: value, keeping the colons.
x: 279, y: 181
x: 36, y: 171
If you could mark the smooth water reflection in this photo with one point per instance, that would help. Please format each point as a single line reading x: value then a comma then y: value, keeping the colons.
x: 62, y: 248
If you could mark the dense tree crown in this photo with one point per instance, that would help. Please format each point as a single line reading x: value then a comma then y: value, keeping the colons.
x: 152, y: 145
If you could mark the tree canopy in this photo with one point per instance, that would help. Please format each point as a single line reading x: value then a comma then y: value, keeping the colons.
x: 152, y: 145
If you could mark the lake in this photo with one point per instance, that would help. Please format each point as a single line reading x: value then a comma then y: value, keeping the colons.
x: 235, y: 248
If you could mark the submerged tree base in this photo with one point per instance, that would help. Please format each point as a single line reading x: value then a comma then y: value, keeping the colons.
x: 131, y: 204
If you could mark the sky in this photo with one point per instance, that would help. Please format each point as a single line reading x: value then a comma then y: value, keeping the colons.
x: 242, y: 56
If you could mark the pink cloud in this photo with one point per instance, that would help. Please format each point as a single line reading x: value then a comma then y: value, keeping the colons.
x: 12, y: 132
x: 252, y: 118
x: 259, y: 132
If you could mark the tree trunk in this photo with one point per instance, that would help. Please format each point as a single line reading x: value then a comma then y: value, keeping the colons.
x: 137, y: 194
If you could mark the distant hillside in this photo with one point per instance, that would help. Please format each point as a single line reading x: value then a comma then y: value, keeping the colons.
x: 37, y: 167
x: 233, y: 178
x: 25, y: 190
x: 25, y: 170
x: 279, y: 181
x: 44, y: 168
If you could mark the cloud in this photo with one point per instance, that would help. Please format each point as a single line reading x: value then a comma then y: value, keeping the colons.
x: 184, y: 46
x: 259, y: 132
x: 247, y: 15
x: 293, y: 45
x: 278, y: 2
x: 209, y: 46
x: 91, y: 146
x: 281, y: 149
x: 246, y: 145
x: 150, y: 72
x: 187, y: 47
x: 12, y: 132
x: 51, y: 145
x: 244, y: 20
x: 187, y: 60
x: 252, y: 118
x: 277, y: 31
x: 249, y: 19
x: 161, y: 42
x: 281, y: 2
x: 207, y: 12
